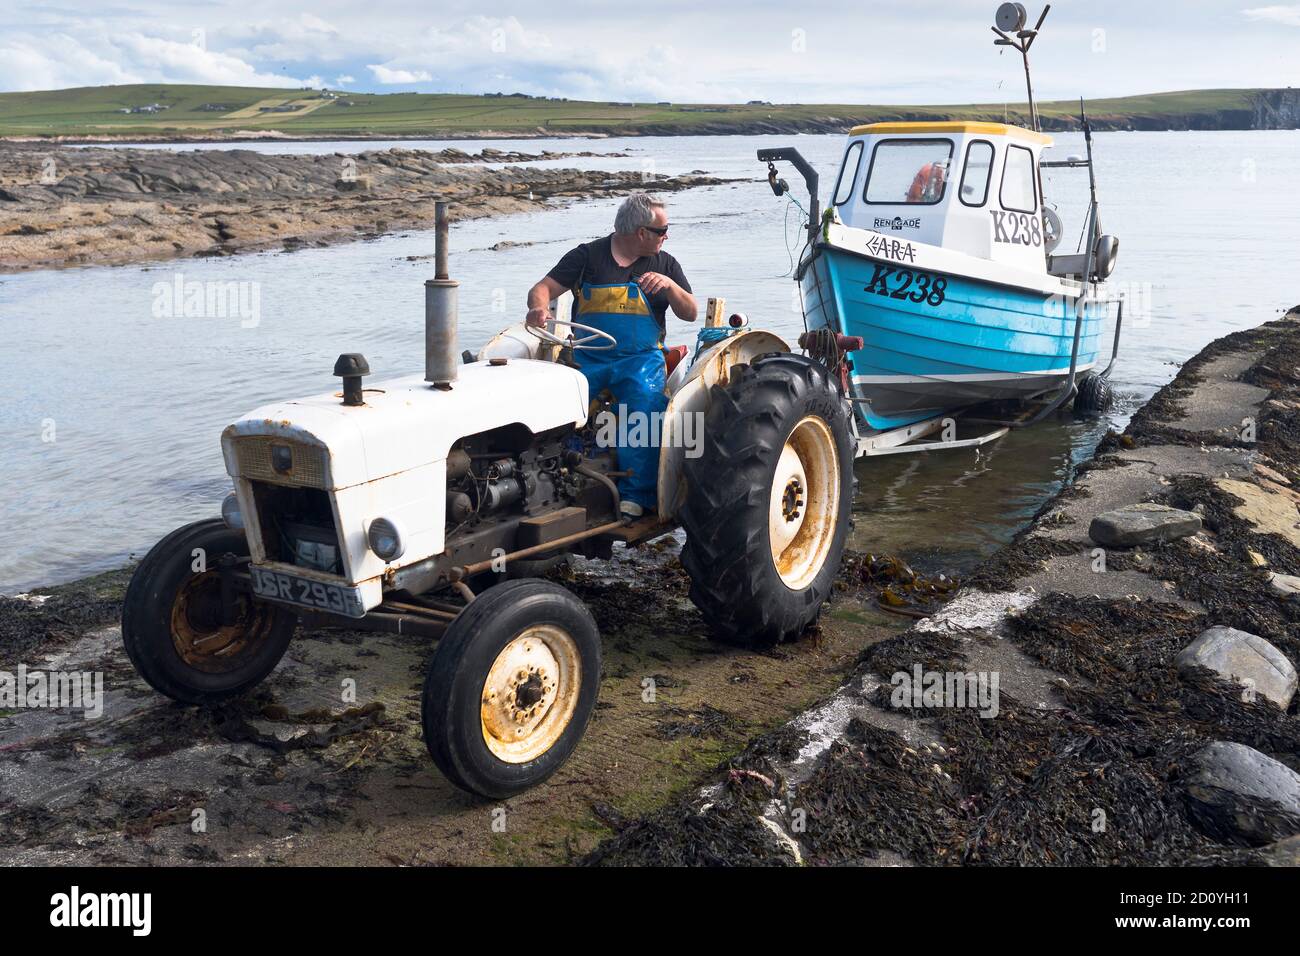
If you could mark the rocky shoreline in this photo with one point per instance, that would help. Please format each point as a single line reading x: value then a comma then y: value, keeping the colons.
x: 1140, y: 637
x: 71, y: 207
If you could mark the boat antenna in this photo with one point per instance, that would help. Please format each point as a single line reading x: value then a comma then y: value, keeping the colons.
x: 1011, y: 18
x: 1092, y: 178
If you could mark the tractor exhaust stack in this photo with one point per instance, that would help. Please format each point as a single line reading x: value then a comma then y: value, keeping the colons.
x: 441, y: 307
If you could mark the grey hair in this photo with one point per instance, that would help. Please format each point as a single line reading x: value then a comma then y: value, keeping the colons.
x: 637, y: 210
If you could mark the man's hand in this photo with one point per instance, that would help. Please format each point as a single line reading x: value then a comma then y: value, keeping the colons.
x: 655, y: 282
x: 538, y: 317
x: 682, y: 302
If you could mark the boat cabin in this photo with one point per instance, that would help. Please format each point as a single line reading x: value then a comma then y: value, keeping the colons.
x: 964, y: 186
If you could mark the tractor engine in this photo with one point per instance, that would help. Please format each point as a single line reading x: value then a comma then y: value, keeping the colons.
x: 519, y: 490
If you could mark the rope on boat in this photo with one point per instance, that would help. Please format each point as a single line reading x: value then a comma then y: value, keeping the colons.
x: 785, y: 228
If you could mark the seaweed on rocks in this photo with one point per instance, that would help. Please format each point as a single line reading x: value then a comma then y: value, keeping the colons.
x: 1057, y: 788
x: 1024, y: 555
x: 933, y: 651
x: 871, y: 792
x: 1150, y: 423
x: 1099, y: 640
x: 1127, y: 652
x: 1223, y: 580
x: 1278, y: 432
x: 895, y: 585
x: 680, y: 835
x: 60, y: 614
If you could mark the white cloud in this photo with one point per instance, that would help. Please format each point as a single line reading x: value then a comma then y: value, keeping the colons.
x: 344, y: 80
x: 483, y: 54
x: 288, y: 39
x: 175, y: 62
x: 389, y: 77
x: 56, y: 61
x: 1276, y: 14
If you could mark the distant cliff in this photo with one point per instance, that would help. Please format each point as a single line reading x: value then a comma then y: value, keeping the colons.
x: 1277, y: 109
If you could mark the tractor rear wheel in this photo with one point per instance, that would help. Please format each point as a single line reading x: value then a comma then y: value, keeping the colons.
x: 769, y: 500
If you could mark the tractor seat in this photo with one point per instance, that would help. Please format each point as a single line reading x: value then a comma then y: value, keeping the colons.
x: 673, y: 354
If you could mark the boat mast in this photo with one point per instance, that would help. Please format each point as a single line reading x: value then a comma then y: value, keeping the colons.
x: 1011, y: 17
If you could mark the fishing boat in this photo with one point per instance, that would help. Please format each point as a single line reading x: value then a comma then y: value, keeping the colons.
x: 937, y: 262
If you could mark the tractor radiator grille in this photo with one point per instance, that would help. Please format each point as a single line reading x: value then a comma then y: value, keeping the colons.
x: 254, y: 456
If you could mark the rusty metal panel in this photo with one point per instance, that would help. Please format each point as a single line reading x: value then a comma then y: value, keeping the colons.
x: 548, y: 527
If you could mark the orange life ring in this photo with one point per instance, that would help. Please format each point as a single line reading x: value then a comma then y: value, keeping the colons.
x: 927, y: 182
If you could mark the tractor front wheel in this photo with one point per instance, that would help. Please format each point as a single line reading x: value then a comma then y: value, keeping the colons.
x: 511, y: 688
x: 174, y: 628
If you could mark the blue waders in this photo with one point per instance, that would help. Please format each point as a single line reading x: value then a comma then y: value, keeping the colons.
x: 633, y: 372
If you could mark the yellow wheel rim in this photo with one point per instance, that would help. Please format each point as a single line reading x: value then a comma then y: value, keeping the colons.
x: 530, y: 694
x: 804, y: 506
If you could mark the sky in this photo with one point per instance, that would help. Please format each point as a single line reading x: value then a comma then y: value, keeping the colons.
x: 860, y: 51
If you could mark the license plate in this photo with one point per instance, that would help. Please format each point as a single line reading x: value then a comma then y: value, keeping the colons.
x: 317, y: 595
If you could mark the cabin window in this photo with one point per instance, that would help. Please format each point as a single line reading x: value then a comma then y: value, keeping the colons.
x: 911, y: 172
x: 1018, y: 181
x: 976, y: 173
x: 848, y: 174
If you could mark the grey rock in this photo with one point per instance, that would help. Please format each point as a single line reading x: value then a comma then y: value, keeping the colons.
x: 1282, y: 853
x: 1142, y: 524
x: 1238, y: 795
x: 1285, y: 585
x: 1245, y: 658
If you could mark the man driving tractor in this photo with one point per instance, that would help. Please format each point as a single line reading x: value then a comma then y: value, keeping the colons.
x: 624, y: 284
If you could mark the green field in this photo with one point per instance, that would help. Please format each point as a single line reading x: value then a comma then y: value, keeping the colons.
x: 95, y: 112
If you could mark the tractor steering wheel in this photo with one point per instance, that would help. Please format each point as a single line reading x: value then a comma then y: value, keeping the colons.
x: 541, y: 332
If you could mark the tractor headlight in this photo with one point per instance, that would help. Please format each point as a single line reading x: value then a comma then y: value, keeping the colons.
x: 385, y: 540
x: 230, y: 513
x: 282, y: 458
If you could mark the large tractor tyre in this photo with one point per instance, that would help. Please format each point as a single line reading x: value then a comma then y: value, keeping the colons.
x: 1092, y: 396
x: 511, y: 688
x: 172, y: 621
x: 769, y: 500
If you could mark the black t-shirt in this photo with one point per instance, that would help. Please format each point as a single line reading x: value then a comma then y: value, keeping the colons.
x: 593, y: 263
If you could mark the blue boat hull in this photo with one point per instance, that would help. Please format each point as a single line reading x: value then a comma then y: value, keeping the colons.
x: 936, y: 342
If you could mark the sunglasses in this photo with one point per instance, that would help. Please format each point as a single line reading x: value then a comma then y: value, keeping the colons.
x: 657, y: 232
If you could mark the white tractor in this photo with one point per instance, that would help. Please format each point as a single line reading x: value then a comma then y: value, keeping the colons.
x: 429, y: 505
